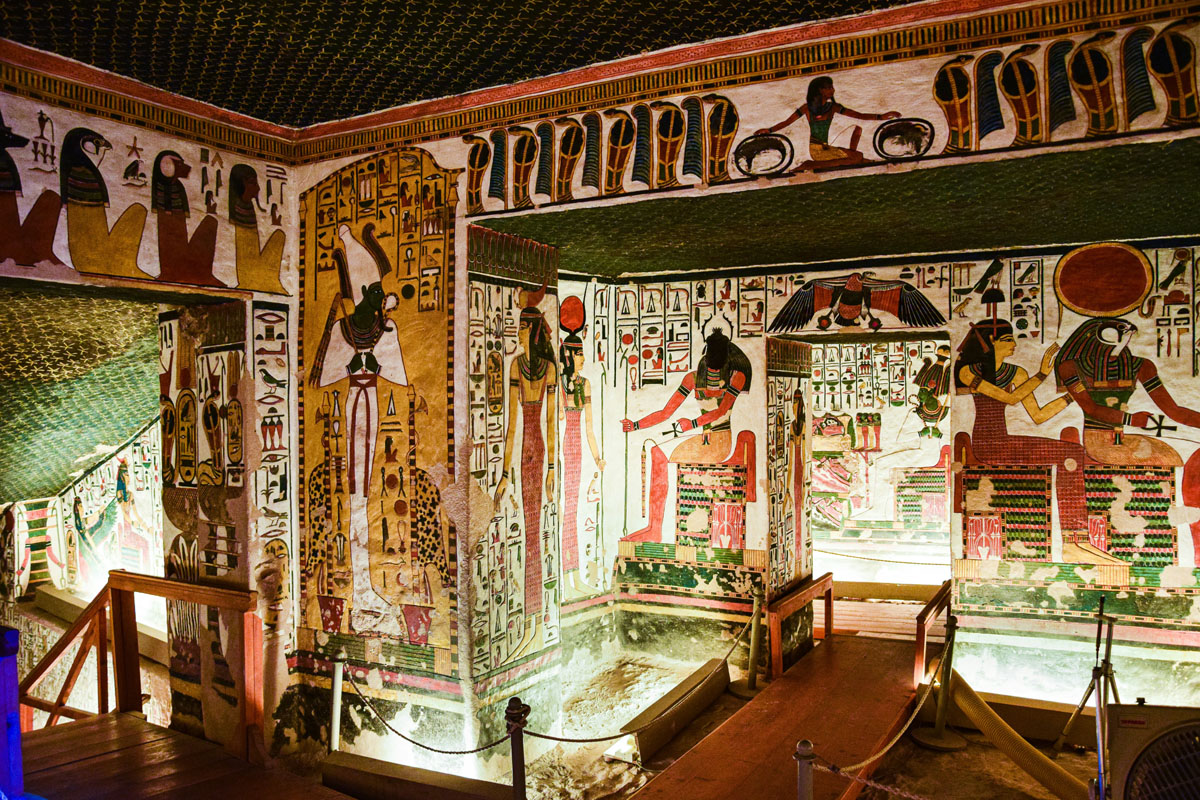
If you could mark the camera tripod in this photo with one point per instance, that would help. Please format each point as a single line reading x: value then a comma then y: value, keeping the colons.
x: 1103, y: 683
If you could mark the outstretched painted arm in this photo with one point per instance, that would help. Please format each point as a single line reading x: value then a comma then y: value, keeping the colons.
x: 850, y: 112
x: 1022, y: 391
x: 1148, y: 375
x: 799, y: 112
x: 1037, y: 412
x: 686, y: 387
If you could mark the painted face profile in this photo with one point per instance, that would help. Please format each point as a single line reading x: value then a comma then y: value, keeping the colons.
x: 523, y: 332
x: 1005, y: 346
x: 1118, y: 334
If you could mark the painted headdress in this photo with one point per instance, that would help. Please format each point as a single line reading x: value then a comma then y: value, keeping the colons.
x: 1094, y: 357
x: 572, y: 319
x: 530, y: 299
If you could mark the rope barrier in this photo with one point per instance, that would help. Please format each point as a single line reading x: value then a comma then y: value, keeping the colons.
x: 899, y: 735
x: 853, y: 768
x: 883, y: 560
x: 678, y: 704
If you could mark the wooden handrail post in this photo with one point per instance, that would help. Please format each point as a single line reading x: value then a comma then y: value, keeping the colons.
x: 102, y: 658
x: 126, y: 659
x: 12, y: 770
x: 797, y: 597
x: 252, y: 687
x: 925, y: 620
x: 829, y: 610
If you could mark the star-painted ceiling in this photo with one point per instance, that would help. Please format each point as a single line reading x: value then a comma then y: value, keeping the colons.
x: 78, y: 374
x: 298, y: 62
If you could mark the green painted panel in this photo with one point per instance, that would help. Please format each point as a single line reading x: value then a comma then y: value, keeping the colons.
x: 1038, y: 200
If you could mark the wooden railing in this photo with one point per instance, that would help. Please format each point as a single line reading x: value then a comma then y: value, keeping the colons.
x: 787, y: 605
x: 929, y: 615
x: 115, y: 602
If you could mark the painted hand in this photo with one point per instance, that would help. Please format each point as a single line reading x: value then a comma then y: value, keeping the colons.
x: 686, y: 425
x: 1048, y: 359
x: 550, y: 483
x: 1140, y: 419
x: 761, y: 131
x: 500, y: 489
x: 601, y: 464
x: 891, y: 115
x: 628, y: 425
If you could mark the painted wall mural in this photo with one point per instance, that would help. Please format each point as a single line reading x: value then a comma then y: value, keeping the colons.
x: 38, y: 547
x: 1113, y: 82
x: 1087, y: 486
x: 789, y: 454
x: 112, y: 516
x: 891, y: 405
x: 378, y: 558
x: 273, y: 482
x: 880, y: 465
x: 137, y: 204
x: 519, y: 408
x: 205, y: 385
x: 619, y: 453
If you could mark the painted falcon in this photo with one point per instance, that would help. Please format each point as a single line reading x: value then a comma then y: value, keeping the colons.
x: 847, y: 299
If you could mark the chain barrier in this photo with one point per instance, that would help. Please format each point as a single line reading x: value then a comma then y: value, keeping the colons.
x: 678, y: 704
x: 873, y: 784
x: 378, y: 716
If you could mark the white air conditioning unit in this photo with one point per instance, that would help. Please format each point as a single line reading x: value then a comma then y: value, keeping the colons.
x: 1154, y: 752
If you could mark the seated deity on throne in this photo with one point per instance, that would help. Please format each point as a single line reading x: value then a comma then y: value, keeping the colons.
x: 710, y: 508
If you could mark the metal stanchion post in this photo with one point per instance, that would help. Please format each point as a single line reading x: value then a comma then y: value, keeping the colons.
x: 515, y: 715
x: 749, y: 687
x: 937, y: 737
x: 752, y: 678
x: 804, y: 769
x: 335, y: 721
x: 12, y: 776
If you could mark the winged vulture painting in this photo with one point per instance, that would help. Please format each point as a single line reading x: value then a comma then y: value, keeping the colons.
x: 850, y: 298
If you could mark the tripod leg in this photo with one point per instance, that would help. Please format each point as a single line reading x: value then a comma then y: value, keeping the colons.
x: 1062, y: 737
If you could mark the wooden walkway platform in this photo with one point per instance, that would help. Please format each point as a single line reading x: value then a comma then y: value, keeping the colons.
x: 123, y: 756
x: 849, y: 697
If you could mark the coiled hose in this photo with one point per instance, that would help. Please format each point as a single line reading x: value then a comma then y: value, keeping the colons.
x: 1060, y: 782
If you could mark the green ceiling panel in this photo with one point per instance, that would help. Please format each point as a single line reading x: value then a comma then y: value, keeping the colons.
x: 1133, y: 191
x: 76, y: 372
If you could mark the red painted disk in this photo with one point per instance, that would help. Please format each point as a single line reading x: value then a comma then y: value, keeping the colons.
x: 1103, y: 280
x: 570, y: 315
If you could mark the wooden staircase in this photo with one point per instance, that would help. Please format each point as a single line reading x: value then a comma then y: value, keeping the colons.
x: 112, y: 610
